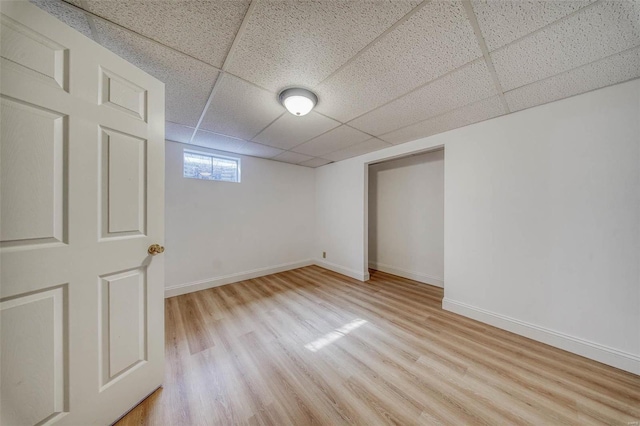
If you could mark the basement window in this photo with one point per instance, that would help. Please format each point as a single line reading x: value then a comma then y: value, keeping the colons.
x: 202, y: 165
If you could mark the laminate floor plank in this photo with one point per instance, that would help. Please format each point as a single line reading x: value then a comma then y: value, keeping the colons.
x: 470, y: 335
x: 312, y: 347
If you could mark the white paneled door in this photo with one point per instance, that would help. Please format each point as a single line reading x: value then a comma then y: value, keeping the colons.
x: 82, y: 199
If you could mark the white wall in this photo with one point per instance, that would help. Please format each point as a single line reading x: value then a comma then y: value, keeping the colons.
x: 221, y: 232
x: 340, y: 228
x: 542, y: 221
x: 406, y: 217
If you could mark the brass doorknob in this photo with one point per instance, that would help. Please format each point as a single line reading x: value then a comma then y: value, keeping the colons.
x: 155, y: 249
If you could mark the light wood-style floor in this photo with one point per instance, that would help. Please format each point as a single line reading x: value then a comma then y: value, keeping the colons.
x: 310, y: 346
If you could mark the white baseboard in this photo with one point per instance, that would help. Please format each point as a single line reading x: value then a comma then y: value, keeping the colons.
x: 176, y: 290
x: 438, y: 282
x: 358, y: 275
x: 604, y: 354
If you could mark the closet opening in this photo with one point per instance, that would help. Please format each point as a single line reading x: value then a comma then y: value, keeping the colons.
x: 406, y: 217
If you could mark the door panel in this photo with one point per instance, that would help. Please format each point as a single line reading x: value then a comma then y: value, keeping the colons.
x: 124, y: 95
x: 33, y: 367
x: 32, y: 161
x: 38, y: 55
x: 124, y: 183
x: 82, y: 184
x: 124, y: 327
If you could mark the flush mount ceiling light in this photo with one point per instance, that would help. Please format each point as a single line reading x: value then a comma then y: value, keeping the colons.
x: 298, y: 101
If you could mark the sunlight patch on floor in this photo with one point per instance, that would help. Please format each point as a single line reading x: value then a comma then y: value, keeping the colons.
x: 334, y: 335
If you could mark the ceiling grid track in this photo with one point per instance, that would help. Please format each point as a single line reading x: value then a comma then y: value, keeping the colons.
x: 93, y: 15
x: 471, y: 16
x: 95, y: 22
x: 342, y: 124
x: 214, y: 89
x: 551, y: 24
x: 376, y: 40
x: 221, y: 71
x: 266, y: 127
x: 516, y: 88
x: 317, y: 136
x: 323, y: 133
x: 225, y: 64
x: 577, y: 68
x: 440, y: 77
x: 92, y: 24
x: 351, y: 59
x: 418, y: 122
x: 441, y: 114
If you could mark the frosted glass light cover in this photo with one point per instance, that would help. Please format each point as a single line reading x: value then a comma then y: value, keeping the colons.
x: 298, y: 101
x: 298, y: 105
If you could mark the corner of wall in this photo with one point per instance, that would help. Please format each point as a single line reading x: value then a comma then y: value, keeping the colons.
x: 425, y: 279
x: 358, y: 275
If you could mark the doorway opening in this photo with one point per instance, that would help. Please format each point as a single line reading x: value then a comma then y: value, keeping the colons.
x: 406, y: 217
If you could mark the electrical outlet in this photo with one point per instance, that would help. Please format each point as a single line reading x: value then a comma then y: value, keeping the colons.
x: 324, y: 254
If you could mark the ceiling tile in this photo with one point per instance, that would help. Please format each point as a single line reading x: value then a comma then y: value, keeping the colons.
x: 70, y: 15
x: 240, y: 109
x: 615, y: 69
x: 178, y: 133
x: 202, y: 29
x: 502, y: 22
x: 289, y: 130
x: 258, y: 150
x: 315, y: 162
x: 338, y: 138
x: 479, y: 111
x: 301, y: 42
x: 370, y: 145
x: 292, y: 157
x: 434, y: 41
x: 461, y: 87
x: 604, y: 29
x: 188, y: 82
x: 219, y: 142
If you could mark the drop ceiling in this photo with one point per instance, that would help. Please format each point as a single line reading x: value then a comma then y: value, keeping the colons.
x: 385, y: 72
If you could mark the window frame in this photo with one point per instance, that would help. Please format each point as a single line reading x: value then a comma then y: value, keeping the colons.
x: 237, y: 160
